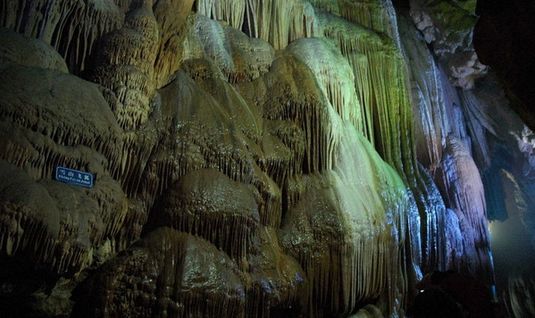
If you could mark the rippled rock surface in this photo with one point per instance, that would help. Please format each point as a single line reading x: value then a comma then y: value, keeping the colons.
x: 251, y: 158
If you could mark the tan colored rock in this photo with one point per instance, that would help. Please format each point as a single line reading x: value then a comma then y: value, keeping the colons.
x: 278, y: 281
x: 72, y: 27
x: 29, y: 52
x: 171, y: 16
x: 239, y: 57
x: 125, y: 65
x: 50, y: 118
x: 168, y: 273
x: 208, y: 204
x: 57, y: 226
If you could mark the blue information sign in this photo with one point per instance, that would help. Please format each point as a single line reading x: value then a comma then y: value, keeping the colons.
x: 74, y: 177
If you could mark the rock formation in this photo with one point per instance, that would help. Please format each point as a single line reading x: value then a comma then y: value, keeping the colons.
x: 251, y: 158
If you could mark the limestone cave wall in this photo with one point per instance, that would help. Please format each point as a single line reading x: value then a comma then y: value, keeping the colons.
x: 253, y: 158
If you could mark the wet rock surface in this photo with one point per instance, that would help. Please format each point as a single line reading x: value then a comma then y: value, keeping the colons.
x: 251, y: 158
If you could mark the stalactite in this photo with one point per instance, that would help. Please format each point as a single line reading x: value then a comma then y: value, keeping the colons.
x: 354, y: 42
x: 378, y: 15
x: 56, y: 226
x: 204, y: 7
x: 463, y: 188
x: 434, y: 99
x: 173, y: 28
x: 335, y: 207
x: 278, y: 22
x: 329, y: 6
x: 239, y: 57
x: 384, y: 94
x: 347, y: 256
x: 436, y: 229
x: 228, y: 100
x: 231, y: 11
x: 208, y: 204
x: 454, y: 251
x: 334, y: 75
x: 428, y: 96
x: 392, y: 111
x: 136, y: 56
x: 299, y: 100
x: 324, y: 120
x: 270, y: 201
x: 251, y: 127
x: 319, y: 148
x: 382, y: 85
x: 480, y: 124
x: 200, y: 134
x: 134, y: 220
x: 210, y: 37
x: 72, y: 27
x: 66, y: 122
x: 294, y: 139
x: 48, y: 131
x: 125, y: 65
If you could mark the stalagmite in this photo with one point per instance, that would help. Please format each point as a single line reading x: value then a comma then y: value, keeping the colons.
x: 72, y: 27
x: 239, y: 57
x: 167, y: 273
x: 18, y: 49
x: 56, y: 226
x: 278, y: 281
x: 208, y: 204
x: 369, y: 263
x: 66, y: 121
x: 463, y: 188
x: 428, y: 96
x: 129, y: 54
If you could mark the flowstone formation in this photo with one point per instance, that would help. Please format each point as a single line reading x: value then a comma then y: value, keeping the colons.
x: 251, y: 158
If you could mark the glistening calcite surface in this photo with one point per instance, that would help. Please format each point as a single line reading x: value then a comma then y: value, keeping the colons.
x: 251, y: 158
